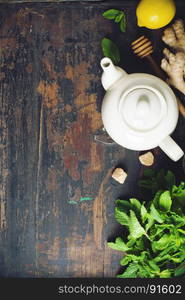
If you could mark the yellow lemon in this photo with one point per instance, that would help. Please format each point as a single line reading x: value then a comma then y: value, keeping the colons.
x: 155, y: 14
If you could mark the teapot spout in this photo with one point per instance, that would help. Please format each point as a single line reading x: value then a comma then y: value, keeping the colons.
x: 111, y: 73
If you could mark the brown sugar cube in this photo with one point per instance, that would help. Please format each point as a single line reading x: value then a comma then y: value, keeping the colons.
x: 119, y: 175
x: 147, y: 159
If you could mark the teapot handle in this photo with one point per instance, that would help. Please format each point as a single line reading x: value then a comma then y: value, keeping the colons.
x: 171, y: 148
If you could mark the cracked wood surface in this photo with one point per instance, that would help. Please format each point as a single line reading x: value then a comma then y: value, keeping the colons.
x: 56, y: 191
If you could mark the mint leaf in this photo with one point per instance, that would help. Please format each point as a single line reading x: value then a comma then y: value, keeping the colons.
x: 118, y: 245
x: 144, y: 213
x: 165, y: 201
x: 154, y: 213
x: 170, y: 180
x: 121, y: 217
x: 153, y: 265
x: 117, y: 16
x: 178, y: 194
x: 155, y: 181
x: 165, y: 274
x: 167, y: 251
x: 162, y: 258
x: 160, y: 179
x: 181, y: 231
x: 131, y: 271
x: 131, y: 241
x: 111, y: 14
x: 136, y: 205
x: 127, y: 259
x: 123, y: 24
x: 149, y: 184
x: 162, y: 243
x: 145, y: 272
x: 178, y: 220
x: 159, y: 228
x: 180, y: 270
x: 176, y: 259
x: 156, y: 198
x: 150, y: 222
x: 149, y: 173
x: 131, y: 257
x: 140, y: 245
x: 135, y: 228
x: 123, y: 205
x: 110, y: 50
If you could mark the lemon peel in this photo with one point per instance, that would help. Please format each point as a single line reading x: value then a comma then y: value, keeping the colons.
x: 154, y: 14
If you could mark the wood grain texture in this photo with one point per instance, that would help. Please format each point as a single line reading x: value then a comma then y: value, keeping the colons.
x: 56, y: 192
x: 50, y: 162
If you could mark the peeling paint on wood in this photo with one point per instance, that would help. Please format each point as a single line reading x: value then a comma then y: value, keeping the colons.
x: 85, y: 199
x: 49, y: 93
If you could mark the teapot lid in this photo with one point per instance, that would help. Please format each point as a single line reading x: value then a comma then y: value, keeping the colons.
x: 139, y: 111
x: 142, y: 107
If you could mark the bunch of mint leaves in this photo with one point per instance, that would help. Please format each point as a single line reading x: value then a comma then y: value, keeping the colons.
x: 109, y: 48
x: 154, y: 245
x: 117, y: 16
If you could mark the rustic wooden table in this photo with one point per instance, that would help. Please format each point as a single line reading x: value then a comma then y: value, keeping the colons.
x: 56, y: 191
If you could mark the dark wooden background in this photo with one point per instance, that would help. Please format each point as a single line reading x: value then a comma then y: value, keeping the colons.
x: 56, y: 191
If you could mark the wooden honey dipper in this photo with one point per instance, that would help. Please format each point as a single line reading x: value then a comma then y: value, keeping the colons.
x: 143, y: 48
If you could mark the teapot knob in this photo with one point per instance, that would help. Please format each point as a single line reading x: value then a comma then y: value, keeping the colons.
x: 143, y: 106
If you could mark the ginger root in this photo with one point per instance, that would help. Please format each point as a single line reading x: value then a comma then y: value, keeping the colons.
x: 174, y: 63
x: 174, y: 36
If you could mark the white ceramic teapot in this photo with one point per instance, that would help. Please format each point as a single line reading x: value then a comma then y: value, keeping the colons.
x: 139, y: 111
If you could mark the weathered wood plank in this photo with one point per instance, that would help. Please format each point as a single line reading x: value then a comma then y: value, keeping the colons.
x: 52, y: 206
x: 57, y: 195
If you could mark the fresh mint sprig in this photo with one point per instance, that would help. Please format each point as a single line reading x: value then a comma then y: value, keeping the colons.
x: 117, y: 16
x: 154, y: 239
